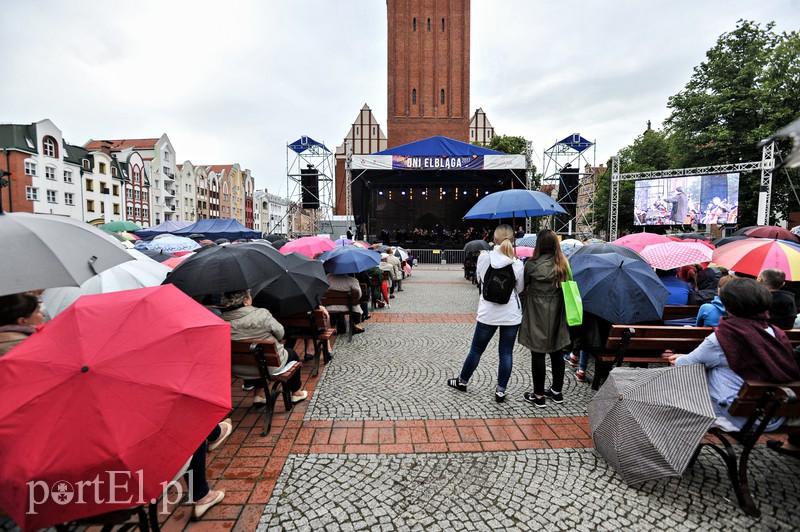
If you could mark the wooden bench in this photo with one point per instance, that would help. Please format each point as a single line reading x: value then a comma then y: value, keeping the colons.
x: 760, y: 403
x: 680, y: 312
x: 260, y: 354
x: 647, y: 344
x: 312, y: 325
x: 349, y: 299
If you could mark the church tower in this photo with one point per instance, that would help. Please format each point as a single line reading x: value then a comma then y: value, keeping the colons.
x: 428, y: 70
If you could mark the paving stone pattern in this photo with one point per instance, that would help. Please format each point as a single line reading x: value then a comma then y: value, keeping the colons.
x: 564, y: 489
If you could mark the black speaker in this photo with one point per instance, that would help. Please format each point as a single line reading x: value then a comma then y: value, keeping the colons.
x: 309, y: 180
x: 568, y: 191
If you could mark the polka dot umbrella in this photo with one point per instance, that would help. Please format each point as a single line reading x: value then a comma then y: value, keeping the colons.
x: 676, y: 254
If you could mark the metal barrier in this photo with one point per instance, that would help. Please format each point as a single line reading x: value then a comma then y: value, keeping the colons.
x: 438, y: 256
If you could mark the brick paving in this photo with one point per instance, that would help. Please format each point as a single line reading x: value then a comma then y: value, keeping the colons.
x: 384, y: 444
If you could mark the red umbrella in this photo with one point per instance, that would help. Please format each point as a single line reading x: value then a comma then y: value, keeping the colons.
x: 638, y: 241
x: 174, y: 261
x: 772, y: 232
x: 119, y: 389
x: 676, y: 254
x: 308, y: 245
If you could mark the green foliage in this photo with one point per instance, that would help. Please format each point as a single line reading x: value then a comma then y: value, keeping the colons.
x: 747, y: 88
x: 508, y: 144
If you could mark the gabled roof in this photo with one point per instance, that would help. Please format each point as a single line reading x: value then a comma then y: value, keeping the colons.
x: 217, y: 168
x: 16, y: 137
x: 121, y: 144
x: 76, y: 154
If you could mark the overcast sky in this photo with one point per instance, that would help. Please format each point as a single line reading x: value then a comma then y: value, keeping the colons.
x: 236, y: 81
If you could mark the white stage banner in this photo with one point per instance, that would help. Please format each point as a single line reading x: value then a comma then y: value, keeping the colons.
x: 371, y: 162
x: 504, y: 162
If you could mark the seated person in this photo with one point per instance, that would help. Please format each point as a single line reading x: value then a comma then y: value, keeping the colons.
x: 743, y: 347
x: 709, y: 314
x: 678, y: 290
x: 782, y: 311
x: 346, y: 283
x: 19, y: 316
x: 251, y: 323
x: 707, y: 284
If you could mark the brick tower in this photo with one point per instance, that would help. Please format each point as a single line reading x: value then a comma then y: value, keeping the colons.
x: 428, y: 70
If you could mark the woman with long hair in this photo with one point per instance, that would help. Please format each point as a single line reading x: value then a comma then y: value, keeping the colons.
x: 493, y: 315
x: 544, y: 324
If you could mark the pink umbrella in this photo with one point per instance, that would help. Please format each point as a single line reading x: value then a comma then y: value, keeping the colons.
x: 174, y: 261
x: 308, y: 245
x: 676, y: 254
x: 524, y: 251
x: 638, y: 241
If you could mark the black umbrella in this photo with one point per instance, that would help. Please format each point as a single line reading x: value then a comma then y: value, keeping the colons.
x: 157, y: 254
x: 298, y: 288
x: 477, y: 245
x: 273, y: 238
x: 279, y: 243
x: 728, y: 239
x: 698, y: 236
x: 606, y: 247
x: 196, y: 236
x: 227, y: 269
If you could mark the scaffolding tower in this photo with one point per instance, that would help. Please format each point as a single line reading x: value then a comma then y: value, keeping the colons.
x: 304, y: 155
x: 569, y: 177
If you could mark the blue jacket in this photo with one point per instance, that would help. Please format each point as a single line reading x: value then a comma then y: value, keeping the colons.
x: 710, y: 313
x: 678, y: 290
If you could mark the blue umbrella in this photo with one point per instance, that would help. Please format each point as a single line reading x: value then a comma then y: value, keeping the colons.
x: 349, y: 259
x: 619, y: 289
x: 607, y: 247
x: 342, y: 241
x: 172, y: 244
x: 514, y: 203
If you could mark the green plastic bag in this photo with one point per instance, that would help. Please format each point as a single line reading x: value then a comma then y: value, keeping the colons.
x: 573, y: 305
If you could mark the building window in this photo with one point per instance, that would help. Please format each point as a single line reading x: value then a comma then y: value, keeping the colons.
x: 137, y: 195
x: 138, y: 212
x: 103, y: 188
x: 136, y: 175
x: 69, y: 198
x: 413, y: 96
x: 442, y: 24
x: 144, y: 195
x: 31, y: 193
x: 116, y: 208
x: 30, y: 168
x: 101, y: 167
x: 115, y: 189
x: 128, y: 193
x: 86, y: 164
x: 356, y: 130
x: 414, y: 24
x: 67, y: 176
x: 51, y: 196
x: 129, y: 210
x: 90, y: 185
x: 50, y: 173
x: 49, y: 145
x: 471, y: 134
x: 166, y: 155
x: 90, y: 205
x: 429, y: 24
x: 442, y: 96
x: 102, y: 207
x: 114, y: 171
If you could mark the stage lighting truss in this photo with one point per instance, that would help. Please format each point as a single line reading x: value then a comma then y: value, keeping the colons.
x: 306, y: 153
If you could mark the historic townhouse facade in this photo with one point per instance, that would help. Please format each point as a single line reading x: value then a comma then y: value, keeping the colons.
x: 270, y: 213
x: 103, y: 188
x: 188, y: 193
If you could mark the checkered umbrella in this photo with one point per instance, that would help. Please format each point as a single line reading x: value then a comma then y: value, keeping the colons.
x: 676, y: 254
x: 647, y: 423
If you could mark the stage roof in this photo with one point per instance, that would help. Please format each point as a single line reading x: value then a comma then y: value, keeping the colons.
x: 305, y: 142
x: 576, y: 142
x: 438, y: 153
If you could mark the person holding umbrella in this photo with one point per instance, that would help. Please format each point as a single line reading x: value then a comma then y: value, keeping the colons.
x: 544, y: 324
x: 744, y: 346
x: 252, y: 323
x: 19, y: 316
x: 493, y: 315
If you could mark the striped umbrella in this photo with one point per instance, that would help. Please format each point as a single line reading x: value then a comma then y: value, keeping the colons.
x: 676, y: 254
x: 754, y: 255
x: 647, y: 423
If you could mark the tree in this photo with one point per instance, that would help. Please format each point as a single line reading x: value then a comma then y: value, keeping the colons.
x: 650, y: 151
x: 745, y: 89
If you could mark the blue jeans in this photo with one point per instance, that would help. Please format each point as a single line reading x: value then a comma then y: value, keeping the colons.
x: 484, y: 333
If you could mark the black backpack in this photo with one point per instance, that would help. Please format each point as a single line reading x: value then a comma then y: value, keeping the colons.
x: 499, y: 284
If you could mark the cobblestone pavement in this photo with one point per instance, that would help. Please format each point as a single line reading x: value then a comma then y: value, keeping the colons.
x: 397, y: 371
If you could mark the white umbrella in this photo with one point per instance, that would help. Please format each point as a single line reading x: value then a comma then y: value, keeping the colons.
x: 401, y: 253
x: 139, y: 273
x: 42, y: 251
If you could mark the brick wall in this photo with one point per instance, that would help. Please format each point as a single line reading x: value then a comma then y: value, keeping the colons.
x: 16, y: 202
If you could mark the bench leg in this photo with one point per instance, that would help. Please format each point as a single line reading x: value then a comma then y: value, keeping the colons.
x: 269, y: 408
x: 601, y: 371
x: 737, y: 474
x: 317, y: 356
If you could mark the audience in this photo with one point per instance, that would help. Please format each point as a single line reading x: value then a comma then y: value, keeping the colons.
x: 782, y: 311
x: 709, y: 314
x: 678, y: 290
x: 19, y: 316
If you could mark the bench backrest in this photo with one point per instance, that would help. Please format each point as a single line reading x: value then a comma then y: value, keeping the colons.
x: 754, y: 395
x: 348, y: 299
x: 675, y: 338
x: 254, y: 353
x: 678, y: 312
x: 312, y: 319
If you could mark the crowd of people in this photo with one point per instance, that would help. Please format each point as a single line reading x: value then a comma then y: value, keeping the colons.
x: 748, y: 315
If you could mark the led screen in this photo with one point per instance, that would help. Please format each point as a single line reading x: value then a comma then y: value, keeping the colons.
x: 689, y: 200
